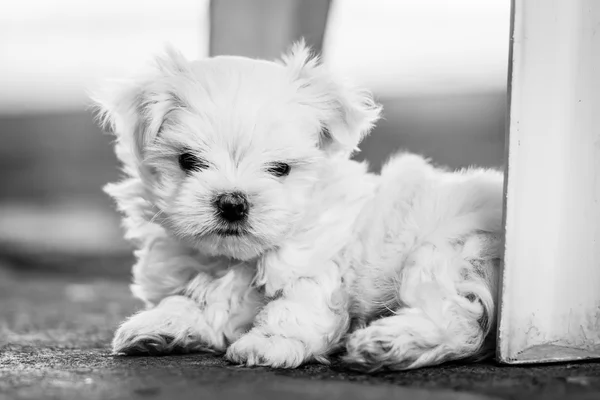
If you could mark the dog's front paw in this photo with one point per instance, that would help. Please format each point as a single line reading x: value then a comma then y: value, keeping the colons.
x: 139, y: 341
x: 166, y: 329
x: 259, y: 349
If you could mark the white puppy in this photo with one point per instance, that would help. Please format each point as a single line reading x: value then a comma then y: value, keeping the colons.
x: 257, y: 236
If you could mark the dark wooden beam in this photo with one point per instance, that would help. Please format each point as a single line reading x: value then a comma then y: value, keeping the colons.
x: 265, y: 28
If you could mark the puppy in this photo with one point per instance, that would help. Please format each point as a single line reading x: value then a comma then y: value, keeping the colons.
x: 259, y: 238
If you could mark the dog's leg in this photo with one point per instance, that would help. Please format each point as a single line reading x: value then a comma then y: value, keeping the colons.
x: 210, y: 313
x: 304, y: 321
x: 449, y: 310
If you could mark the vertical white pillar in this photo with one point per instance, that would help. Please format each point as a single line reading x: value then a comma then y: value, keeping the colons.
x: 550, y: 301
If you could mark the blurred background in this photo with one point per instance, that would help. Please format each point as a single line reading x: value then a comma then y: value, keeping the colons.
x: 438, y: 66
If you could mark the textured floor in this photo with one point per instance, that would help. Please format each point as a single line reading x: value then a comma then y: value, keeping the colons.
x: 55, y: 329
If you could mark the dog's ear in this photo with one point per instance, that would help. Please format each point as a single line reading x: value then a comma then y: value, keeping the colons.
x: 347, y: 113
x: 135, y: 110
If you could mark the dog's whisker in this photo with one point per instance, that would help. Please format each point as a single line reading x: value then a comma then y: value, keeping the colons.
x: 156, y: 215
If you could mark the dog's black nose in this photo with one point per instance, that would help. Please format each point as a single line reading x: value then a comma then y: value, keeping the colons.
x: 232, y: 206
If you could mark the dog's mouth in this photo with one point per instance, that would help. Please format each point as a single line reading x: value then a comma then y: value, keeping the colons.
x: 232, y: 231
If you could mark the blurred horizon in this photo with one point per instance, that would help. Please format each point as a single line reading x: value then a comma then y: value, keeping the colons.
x: 396, y: 48
x: 57, y: 52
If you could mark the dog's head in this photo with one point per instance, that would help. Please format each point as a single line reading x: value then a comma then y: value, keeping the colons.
x: 229, y: 148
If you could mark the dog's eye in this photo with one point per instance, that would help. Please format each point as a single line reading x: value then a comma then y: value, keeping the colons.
x: 189, y: 162
x: 279, y: 169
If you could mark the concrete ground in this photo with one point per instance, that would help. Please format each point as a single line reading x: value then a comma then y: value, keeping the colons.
x: 56, y: 325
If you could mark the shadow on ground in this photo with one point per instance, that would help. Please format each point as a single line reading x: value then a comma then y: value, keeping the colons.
x: 55, y: 331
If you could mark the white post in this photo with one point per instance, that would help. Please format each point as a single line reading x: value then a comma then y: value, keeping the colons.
x: 550, y: 302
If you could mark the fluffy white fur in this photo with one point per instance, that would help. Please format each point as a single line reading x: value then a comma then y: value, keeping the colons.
x: 399, y: 268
